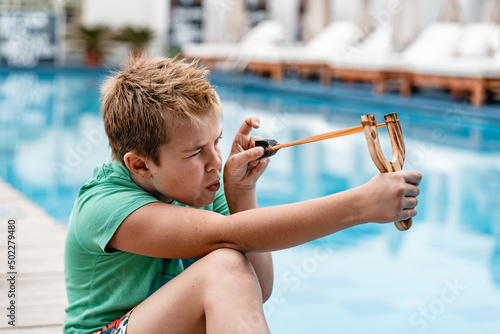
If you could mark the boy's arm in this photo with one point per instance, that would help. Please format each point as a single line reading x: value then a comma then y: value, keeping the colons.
x: 261, y: 262
x: 240, y: 177
x: 169, y: 231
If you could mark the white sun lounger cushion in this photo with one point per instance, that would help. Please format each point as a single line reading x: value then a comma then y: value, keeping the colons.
x: 479, y: 40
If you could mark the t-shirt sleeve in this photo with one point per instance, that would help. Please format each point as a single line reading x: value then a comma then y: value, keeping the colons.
x: 101, y: 209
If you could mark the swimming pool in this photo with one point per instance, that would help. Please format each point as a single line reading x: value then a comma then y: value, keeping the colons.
x: 441, y: 276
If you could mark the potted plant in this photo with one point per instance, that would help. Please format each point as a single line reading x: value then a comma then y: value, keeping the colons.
x: 94, y: 39
x: 137, y: 37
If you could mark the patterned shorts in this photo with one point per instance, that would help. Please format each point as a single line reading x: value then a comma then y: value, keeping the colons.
x: 118, y: 326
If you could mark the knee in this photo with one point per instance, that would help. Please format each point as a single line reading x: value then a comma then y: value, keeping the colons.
x: 229, y: 268
x: 226, y: 261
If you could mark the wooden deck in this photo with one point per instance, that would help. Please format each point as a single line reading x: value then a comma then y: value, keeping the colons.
x: 40, y: 295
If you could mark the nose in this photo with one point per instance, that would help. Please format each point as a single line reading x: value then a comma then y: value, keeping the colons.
x: 214, y: 161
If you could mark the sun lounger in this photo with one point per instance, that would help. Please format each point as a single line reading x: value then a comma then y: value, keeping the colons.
x: 336, y: 41
x: 307, y: 58
x: 377, y: 60
x: 467, y: 67
x: 492, y: 74
x: 211, y: 54
x: 373, y: 60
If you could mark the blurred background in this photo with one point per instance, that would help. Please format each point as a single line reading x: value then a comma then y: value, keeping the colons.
x: 304, y: 67
x: 172, y: 24
x: 401, y: 45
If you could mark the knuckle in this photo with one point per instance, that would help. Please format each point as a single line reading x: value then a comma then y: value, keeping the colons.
x: 400, y: 205
x: 400, y: 190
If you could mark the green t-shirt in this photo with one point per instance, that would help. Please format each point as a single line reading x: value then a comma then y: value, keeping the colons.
x: 103, y: 285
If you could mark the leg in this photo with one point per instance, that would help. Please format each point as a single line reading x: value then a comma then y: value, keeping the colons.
x: 219, y: 293
x: 478, y: 93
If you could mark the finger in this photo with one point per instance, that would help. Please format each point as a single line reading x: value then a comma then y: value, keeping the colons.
x: 245, y: 157
x: 409, y: 213
x: 412, y: 190
x: 410, y: 202
x: 412, y: 177
x: 261, y: 166
x: 249, y: 124
x: 253, y: 163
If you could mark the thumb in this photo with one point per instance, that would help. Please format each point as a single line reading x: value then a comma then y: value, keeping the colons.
x: 243, y: 158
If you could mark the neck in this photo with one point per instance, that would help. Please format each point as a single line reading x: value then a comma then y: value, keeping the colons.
x: 147, y: 185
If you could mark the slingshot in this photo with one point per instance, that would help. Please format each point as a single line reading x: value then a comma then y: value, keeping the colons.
x: 369, y: 127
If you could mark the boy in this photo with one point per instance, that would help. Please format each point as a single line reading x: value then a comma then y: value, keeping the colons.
x: 142, y: 257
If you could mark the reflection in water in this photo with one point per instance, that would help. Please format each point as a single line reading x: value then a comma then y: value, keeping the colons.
x: 495, y: 262
x: 51, y: 137
x: 495, y: 258
x: 51, y: 134
x: 453, y: 241
x: 461, y: 175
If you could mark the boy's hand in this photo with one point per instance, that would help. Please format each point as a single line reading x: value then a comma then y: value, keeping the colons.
x: 242, y: 169
x: 390, y: 197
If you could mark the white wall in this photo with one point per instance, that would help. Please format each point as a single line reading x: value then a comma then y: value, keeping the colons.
x: 153, y: 14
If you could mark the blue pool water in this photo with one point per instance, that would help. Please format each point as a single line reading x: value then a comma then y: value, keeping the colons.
x: 442, y: 276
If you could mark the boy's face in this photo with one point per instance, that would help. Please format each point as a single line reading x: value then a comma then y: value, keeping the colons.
x: 190, y: 164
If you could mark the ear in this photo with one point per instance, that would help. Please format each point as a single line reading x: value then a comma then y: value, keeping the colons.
x: 137, y: 164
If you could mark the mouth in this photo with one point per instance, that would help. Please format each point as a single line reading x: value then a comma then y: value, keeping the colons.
x: 214, y: 186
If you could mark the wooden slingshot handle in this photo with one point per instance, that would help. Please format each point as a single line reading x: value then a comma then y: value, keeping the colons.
x: 398, y: 150
x: 369, y: 127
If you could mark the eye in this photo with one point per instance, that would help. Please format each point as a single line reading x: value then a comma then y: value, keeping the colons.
x: 196, y: 154
x: 218, y: 140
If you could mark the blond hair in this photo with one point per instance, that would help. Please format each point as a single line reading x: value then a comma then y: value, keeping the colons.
x: 142, y: 103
